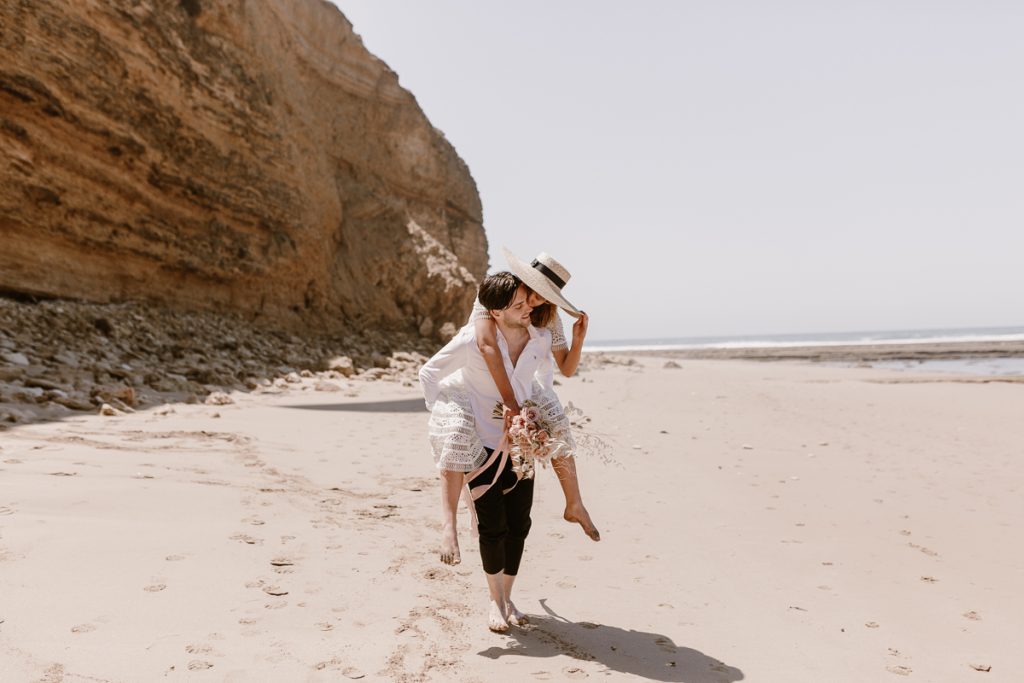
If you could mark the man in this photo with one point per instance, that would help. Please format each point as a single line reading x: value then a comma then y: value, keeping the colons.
x: 501, y: 502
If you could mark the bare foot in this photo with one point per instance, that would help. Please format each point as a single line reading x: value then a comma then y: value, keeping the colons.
x: 577, y: 514
x: 450, y: 546
x: 515, y: 617
x: 496, y: 619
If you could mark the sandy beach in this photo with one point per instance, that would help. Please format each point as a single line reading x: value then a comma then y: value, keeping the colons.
x: 760, y: 522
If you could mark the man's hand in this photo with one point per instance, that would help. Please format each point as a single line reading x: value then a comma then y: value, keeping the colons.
x: 579, y: 328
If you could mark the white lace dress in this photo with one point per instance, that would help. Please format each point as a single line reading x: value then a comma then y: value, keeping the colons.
x: 452, y: 427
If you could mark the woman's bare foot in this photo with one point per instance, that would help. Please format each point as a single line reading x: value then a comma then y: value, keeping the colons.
x: 577, y: 514
x: 515, y: 617
x: 496, y: 619
x: 450, y: 546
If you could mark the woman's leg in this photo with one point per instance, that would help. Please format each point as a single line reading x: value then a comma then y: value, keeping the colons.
x: 451, y: 485
x: 575, y: 511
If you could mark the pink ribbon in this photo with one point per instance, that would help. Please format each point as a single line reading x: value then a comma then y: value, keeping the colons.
x: 501, y: 453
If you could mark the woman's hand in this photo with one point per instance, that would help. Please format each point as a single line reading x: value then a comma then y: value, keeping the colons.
x: 579, y: 328
x: 510, y: 412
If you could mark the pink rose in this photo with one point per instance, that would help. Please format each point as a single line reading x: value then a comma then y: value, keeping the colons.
x: 531, y: 414
x: 541, y: 436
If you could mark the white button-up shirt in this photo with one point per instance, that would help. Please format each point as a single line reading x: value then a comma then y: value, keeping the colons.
x: 462, y: 353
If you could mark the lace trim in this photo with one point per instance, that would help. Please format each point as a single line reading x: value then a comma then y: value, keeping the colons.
x: 454, y: 442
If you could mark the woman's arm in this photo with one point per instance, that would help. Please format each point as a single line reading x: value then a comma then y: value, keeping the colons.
x: 487, y: 342
x: 569, y: 359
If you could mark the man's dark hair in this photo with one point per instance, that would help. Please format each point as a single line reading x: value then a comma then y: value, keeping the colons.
x: 498, y: 290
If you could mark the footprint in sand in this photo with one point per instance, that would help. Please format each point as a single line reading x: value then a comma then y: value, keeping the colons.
x: 574, y: 672
x: 276, y: 604
x: 254, y: 521
x: 174, y: 558
x: 246, y: 538
x: 972, y: 615
x: 437, y: 573
x: 282, y: 562
x: 542, y: 675
x: 276, y: 591
x: 199, y: 665
x: 899, y: 670
x: 83, y: 628
x: 565, y: 584
x: 6, y: 510
x: 198, y: 649
x: 155, y: 588
x: 247, y: 621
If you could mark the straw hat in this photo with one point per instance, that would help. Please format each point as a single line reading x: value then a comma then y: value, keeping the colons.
x: 546, y: 276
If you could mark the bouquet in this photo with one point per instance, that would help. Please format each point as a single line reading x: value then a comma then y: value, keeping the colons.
x: 530, y: 440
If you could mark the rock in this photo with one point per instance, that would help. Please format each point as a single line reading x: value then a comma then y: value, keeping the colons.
x: 108, y: 410
x: 15, y: 358
x: 342, y: 365
x: 447, y: 331
x: 374, y: 373
x: 29, y: 394
x: 11, y: 372
x: 326, y: 386
x: 270, y: 161
x: 426, y: 327
x: 74, y: 403
x: 218, y: 398
x: 292, y: 378
x: 114, y: 394
x: 44, y: 384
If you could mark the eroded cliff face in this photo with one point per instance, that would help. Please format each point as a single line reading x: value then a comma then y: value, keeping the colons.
x: 235, y: 155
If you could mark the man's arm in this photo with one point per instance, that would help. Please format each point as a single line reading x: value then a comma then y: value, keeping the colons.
x: 443, y: 363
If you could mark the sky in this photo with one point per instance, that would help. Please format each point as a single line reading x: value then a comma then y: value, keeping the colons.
x: 716, y: 167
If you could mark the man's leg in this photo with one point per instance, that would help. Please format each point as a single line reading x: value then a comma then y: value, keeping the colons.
x: 518, y: 504
x: 493, y: 527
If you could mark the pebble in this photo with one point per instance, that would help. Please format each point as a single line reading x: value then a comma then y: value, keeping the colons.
x: 15, y: 358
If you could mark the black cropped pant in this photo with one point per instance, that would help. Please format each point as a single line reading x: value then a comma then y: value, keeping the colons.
x: 503, y: 519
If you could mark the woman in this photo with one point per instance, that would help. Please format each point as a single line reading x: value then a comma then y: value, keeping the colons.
x: 544, y: 277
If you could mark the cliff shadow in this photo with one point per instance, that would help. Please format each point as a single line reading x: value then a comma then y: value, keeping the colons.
x: 652, y: 656
x: 404, y: 405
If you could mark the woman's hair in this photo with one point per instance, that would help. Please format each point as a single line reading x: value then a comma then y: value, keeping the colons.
x: 542, y: 315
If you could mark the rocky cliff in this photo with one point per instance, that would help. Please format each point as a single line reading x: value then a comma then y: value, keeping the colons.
x: 237, y: 156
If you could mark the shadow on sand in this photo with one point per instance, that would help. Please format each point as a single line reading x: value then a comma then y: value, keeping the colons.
x: 648, y: 655
x: 405, y: 405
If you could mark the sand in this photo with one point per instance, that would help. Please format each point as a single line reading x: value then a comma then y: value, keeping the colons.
x: 760, y: 522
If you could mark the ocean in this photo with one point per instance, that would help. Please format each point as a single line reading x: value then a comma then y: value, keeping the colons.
x: 973, y: 334
x: 973, y: 366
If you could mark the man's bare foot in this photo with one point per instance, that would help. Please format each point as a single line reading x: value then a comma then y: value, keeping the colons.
x: 496, y: 619
x: 450, y: 546
x: 515, y: 617
x: 577, y: 514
